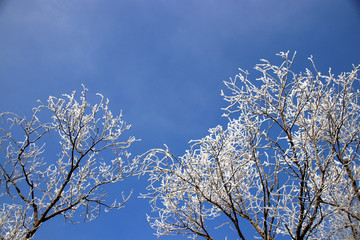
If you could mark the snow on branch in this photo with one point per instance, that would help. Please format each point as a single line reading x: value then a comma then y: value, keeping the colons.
x: 91, y: 153
x: 287, y: 164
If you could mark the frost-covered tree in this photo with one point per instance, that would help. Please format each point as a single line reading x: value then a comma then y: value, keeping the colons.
x: 57, y: 161
x: 287, y: 164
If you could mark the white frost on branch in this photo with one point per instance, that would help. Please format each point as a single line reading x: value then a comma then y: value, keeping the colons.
x: 287, y: 163
x: 43, y: 185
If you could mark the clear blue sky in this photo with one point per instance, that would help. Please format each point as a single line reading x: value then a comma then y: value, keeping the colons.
x: 162, y: 62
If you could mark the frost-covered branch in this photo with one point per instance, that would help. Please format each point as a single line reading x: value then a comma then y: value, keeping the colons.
x: 287, y: 163
x: 41, y: 184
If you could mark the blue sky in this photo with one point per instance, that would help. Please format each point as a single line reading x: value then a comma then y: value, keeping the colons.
x: 162, y: 62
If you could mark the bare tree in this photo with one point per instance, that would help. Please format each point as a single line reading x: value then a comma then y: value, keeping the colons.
x: 287, y: 163
x: 38, y: 185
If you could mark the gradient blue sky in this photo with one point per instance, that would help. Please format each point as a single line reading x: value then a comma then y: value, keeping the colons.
x: 162, y: 62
